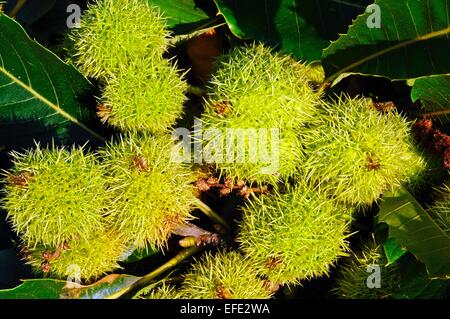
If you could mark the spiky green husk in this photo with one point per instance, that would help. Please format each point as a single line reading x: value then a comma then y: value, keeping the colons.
x: 56, y: 194
x: 316, y: 73
x: 356, y: 152
x: 81, y: 259
x: 440, y: 209
x: 160, y: 291
x: 427, y: 171
x: 152, y: 193
x: 148, y: 95
x: 165, y: 292
x: 255, y: 88
x: 294, y: 236
x: 225, y: 275
x: 113, y: 33
x: 352, y: 277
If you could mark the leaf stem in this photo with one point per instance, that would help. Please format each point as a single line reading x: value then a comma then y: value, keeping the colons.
x: 212, y: 214
x: 147, y: 279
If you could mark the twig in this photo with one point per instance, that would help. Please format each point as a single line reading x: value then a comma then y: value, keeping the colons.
x: 212, y: 214
x: 199, y: 31
x: 437, y: 113
x: 147, y: 279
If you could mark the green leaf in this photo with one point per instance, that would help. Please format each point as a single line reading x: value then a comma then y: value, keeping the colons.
x: 182, y: 15
x: 434, y: 93
x: 413, y: 41
x: 110, y: 287
x: 415, y: 231
x: 102, y: 289
x: 41, y: 97
x: 139, y: 254
x: 57, y: 289
x: 392, y: 250
x: 415, y: 283
x: 300, y: 27
x: 35, y: 289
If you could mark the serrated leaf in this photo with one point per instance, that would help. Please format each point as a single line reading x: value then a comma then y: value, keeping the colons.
x: 102, y: 289
x: 183, y: 16
x: 415, y: 231
x: 41, y: 97
x: 300, y: 27
x: 413, y: 41
x: 392, y: 250
x: 35, y: 289
x: 434, y: 94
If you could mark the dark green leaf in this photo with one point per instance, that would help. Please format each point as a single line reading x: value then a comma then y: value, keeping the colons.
x: 40, y: 96
x: 35, y: 289
x: 415, y: 231
x: 434, y: 93
x: 182, y: 15
x: 392, y: 250
x: 413, y: 41
x: 300, y: 27
x: 415, y: 283
x: 102, y: 289
x: 139, y: 254
x: 57, y: 289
